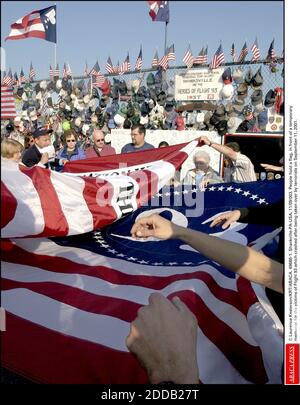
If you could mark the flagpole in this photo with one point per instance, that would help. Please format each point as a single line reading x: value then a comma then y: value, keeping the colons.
x: 166, y: 26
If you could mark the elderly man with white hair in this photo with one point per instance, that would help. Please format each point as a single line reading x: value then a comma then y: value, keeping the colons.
x: 99, y: 148
x: 202, y: 174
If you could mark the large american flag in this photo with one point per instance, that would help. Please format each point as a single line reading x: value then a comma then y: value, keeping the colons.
x: 159, y: 10
x: 218, y: 58
x: 38, y: 24
x: 188, y: 58
x: 255, y: 51
x: 74, y: 298
x: 8, y: 108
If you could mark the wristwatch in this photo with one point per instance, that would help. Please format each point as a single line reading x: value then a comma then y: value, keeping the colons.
x: 210, y: 143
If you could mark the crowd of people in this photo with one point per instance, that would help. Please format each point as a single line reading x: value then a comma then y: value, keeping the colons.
x: 150, y: 101
x: 49, y: 134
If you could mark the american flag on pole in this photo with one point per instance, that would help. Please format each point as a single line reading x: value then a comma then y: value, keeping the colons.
x: 159, y: 11
x: 8, y: 79
x: 56, y: 72
x: 126, y: 66
x: 217, y: 59
x: 64, y: 72
x: 51, y: 73
x: 22, y: 78
x: 198, y: 60
x: 16, y: 79
x: 171, y: 53
x: 188, y: 58
x: 139, y: 61
x: 32, y: 73
x: 155, y: 60
x: 37, y: 24
x: 8, y: 108
x: 109, y: 66
x: 255, y: 51
x: 95, y: 70
x: 271, y: 52
x: 98, y: 80
x: 232, y: 53
x: 74, y: 298
x: 243, y: 54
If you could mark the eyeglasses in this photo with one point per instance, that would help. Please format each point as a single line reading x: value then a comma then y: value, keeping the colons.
x: 71, y: 140
x: 99, y: 140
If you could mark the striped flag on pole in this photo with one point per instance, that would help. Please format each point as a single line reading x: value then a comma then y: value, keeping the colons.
x: 198, y: 60
x: 98, y: 80
x: 22, y: 78
x: 38, y: 24
x: 255, y: 51
x: 271, y: 52
x: 56, y: 72
x: 31, y: 73
x: 51, y: 73
x: 95, y: 70
x: 188, y: 58
x: 232, y: 53
x: 139, y: 61
x: 126, y: 66
x: 8, y: 79
x: 218, y: 58
x: 109, y: 66
x: 171, y: 53
x: 243, y: 54
x: 155, y: 60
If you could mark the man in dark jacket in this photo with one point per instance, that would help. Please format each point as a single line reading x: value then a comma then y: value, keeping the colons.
x: 35, y: 155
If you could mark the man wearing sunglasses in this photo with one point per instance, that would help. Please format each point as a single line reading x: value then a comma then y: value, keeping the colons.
x: 99, y: 148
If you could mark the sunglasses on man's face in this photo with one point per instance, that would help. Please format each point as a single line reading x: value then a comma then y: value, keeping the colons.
x: 71, y: 140
x: 99, y: 140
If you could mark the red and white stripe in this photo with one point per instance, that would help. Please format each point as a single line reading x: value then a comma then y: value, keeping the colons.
x: 188, y: 58
x: 56, y: 212
x: 69, y: 301
x: 98, y: 80
x: 163, y: 62
x: 8, y: 108
x: 29, y: 26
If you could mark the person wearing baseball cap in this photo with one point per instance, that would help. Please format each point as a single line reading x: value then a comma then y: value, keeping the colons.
x: 34, y: 155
